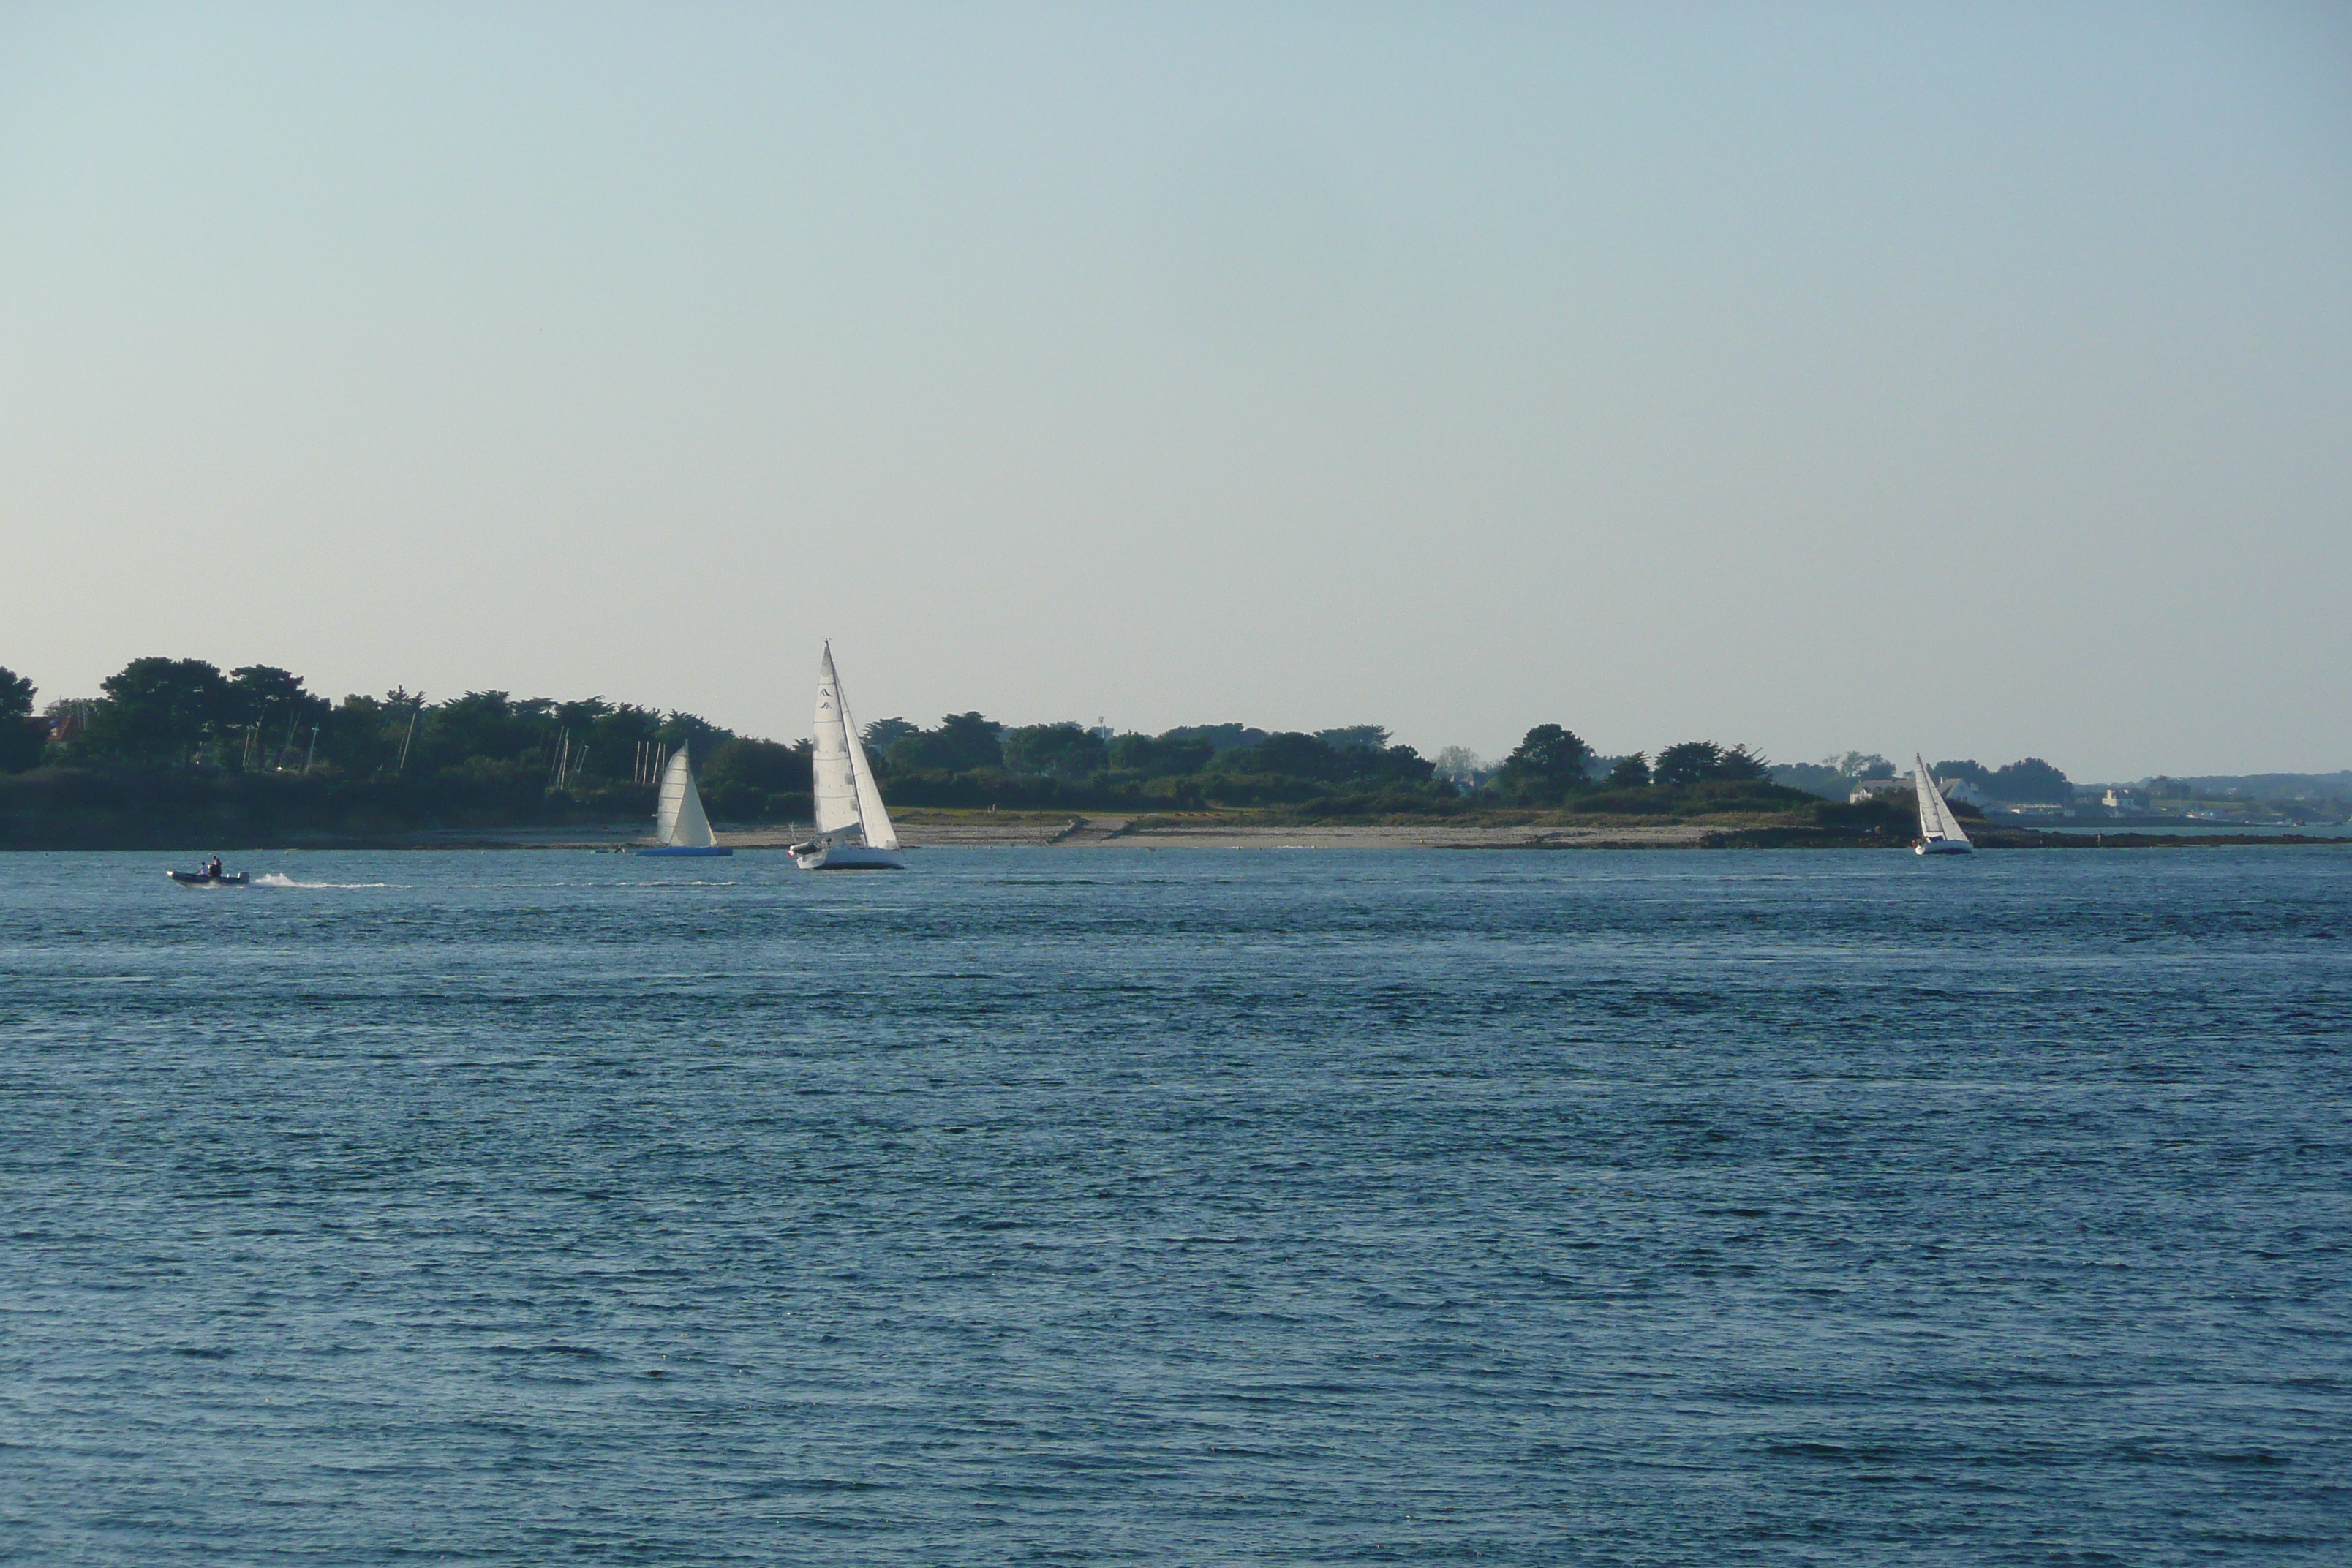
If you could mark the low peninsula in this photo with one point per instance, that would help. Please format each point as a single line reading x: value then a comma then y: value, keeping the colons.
x: 176, y: 754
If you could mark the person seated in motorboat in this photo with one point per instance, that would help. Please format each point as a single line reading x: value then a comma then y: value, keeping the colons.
x: 212, y: 869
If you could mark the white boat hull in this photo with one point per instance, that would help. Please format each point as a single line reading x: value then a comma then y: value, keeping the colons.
x: 1945, y: 847
x: 686, y: 850
x: 846, y: 858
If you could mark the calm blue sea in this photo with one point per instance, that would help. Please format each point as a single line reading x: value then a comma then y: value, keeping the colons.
x: 1192, y: 1207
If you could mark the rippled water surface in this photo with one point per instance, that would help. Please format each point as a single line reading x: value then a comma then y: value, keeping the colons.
x: 1101, y: 1205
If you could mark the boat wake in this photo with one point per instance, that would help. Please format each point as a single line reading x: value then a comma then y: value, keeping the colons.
x: 279, y: 880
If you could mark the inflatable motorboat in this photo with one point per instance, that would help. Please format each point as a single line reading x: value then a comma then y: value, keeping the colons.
x: 211, y: 879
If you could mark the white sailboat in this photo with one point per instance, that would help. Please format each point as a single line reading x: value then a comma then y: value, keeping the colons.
x: 679, y: 821
x: 1939, y: 830
x: 852, y: 830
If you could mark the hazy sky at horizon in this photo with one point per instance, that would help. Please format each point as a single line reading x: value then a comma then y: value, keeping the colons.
x: 1974, y: 379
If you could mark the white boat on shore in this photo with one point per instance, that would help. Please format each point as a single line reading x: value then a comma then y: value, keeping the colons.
x: 1939, y: 830
x: 679, y: 823
x: 852, y: 830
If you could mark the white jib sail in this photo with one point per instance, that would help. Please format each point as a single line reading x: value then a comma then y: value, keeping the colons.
x: 1935, y: 819
x: 880, y: 834
x: 836, y: 774
x: 679, y: 822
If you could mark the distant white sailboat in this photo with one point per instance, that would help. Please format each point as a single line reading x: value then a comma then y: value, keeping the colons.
x: 852, y: 830
x: 1939, y: 830
x: 679, y: 821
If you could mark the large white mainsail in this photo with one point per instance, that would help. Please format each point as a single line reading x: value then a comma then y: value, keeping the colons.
x: 679, y: 821
x: 1939, y: 830
x: 836, y: 775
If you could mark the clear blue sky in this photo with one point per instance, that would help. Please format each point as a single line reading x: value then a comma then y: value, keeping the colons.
x: 1971, y: 378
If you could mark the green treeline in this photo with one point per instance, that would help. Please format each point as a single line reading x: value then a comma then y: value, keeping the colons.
x: 473, y: 757
x: 254, y: 751
x: 2029, y: 781
x: 968, y: 759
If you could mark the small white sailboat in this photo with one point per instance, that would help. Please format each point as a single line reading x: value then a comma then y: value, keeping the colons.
x: 1939, y: 830
x: 852, y: 830
x: 679, y: 821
